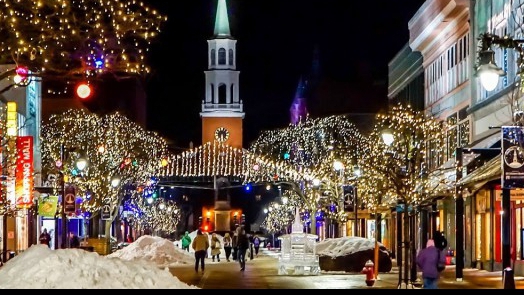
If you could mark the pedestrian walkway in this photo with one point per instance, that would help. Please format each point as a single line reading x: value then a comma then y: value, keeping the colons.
x: 261, y: 273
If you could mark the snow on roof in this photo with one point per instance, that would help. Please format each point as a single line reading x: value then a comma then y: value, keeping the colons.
x: 42, y: 268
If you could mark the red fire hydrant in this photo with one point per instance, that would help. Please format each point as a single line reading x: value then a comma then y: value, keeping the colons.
x: 369, y: 271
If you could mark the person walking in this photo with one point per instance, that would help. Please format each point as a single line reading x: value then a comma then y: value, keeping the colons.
x: 215, y: 247
x: 227, y: 245
x: 200, y: 245
x: 186, y: 241
x: 256, y: 244
x: 427, y: 260
x: 234, y: 245
x: 74, y: 241
x: 243, y: 245
x: 45, y: 238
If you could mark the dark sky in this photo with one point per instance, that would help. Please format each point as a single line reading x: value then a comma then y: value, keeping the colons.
x: 276, y: 40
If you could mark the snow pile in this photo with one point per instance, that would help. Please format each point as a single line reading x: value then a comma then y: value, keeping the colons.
x: 162, y: 252
x: 42, y: 268
x: 344, y: 246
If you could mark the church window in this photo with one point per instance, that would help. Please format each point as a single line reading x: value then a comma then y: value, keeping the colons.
x: 231, y: 57
x: 221, y: 56
x: 212, y: 57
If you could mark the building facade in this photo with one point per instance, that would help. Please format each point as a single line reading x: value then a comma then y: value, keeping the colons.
x: 466, y: 204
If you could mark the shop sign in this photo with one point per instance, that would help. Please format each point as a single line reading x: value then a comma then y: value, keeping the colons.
x: 24, y: 172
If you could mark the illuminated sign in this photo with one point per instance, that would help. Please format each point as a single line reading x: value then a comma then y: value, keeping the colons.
x: 24, y: 172
x: 11, y: 123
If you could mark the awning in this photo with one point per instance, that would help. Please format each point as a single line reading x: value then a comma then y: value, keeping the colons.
x: 487, y: 142
x: 441, y: 182
x: 491, y: 170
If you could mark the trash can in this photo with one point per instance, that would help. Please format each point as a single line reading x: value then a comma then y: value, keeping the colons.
x: 12, y: 254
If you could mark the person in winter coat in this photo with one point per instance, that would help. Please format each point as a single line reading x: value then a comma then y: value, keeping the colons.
x: 243, y: 245
x: 234, y: 245
x: 215, y: 247
x: 427, y: 260
x: 200, y: 245
x: 186, y: 241
x: 45, y: 238
x: 256, y: 244
x: 227, y: 245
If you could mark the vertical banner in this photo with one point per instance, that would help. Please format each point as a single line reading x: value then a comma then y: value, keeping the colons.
x: 512, y: 157
x: 47, y: 206
x: 24, y: 172
x: 70, y: 199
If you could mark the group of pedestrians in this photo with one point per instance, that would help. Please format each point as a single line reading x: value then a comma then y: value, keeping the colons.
x: 235, y: 247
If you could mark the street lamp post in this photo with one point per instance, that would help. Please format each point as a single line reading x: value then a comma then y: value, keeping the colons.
x: 115, y: 182
x: 339, y: 168
x: 489, y: 74
x: 67, y: 192
x: 356, y: 172
x: 402, y: 209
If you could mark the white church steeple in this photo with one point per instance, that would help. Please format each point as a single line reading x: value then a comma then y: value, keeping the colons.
x: 222, y: 86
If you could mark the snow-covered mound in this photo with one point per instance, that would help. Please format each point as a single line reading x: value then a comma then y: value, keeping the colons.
x: 344, y: 246
x: 158, y: 250
x: 42, y: 268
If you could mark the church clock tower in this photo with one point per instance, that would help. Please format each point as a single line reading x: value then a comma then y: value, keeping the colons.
x: 222, y: 109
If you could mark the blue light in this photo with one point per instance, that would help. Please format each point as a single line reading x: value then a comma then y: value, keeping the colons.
x: 287, y: 156
x: 99, y: 63
x: 248, y: 187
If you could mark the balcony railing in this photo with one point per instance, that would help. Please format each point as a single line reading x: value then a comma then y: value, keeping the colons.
x: 210, y: 107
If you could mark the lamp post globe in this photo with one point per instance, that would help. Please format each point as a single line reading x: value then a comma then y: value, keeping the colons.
x: 115, y: 181
x: 387, y: 136
x: 81, y: 163
x: 338, y: 165
x: 488, y: 78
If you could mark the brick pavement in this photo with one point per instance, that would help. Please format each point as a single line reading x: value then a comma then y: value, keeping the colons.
x: 261, y: 273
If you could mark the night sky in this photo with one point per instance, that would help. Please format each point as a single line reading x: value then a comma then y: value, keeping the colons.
x: 276, y: 41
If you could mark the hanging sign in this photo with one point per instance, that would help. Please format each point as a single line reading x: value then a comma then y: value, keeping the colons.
x: 70, y: 198
x: 512, y: 157
x: 47, y: 206
x: 24, y: 172
x: 106, y: 212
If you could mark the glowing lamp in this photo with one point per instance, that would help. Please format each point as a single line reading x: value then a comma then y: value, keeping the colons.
x: 387, y: 136
x: 164, y: 162
x: 21, y: 74
x: 83, y: 90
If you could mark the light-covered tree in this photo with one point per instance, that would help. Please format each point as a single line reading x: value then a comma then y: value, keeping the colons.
x: 114, y: 147
x: 399, y: 171
x: 159, y: 215
x: 396, y: 163
x: 64, y: 40
x: 328, y: 148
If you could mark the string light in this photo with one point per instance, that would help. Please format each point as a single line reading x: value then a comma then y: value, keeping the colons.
x: 83, y: 134
x: 400, y: 171
x: 312, y: 147
x: 77, y: 38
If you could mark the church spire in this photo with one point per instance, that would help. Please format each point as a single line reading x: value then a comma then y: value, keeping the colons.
x: 298, y: 110
x: 222, y: 21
